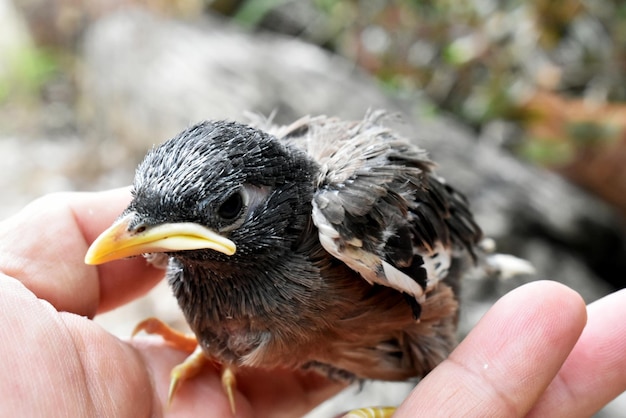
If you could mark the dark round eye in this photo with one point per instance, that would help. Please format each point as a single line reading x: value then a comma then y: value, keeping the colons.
x: 231, y: 207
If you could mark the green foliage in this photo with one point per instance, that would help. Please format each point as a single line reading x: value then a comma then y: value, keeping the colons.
x: 481, y: 60
x: 548, y: 151
x: 252, y: 12
x: 591, y: 133
x: 25, y: 72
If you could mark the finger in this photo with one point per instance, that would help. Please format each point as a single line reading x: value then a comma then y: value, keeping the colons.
x: 63, y: 364
x: 508, y: 359
x: 44, y: 245
x: 120, y: 281
x: 595, y: 371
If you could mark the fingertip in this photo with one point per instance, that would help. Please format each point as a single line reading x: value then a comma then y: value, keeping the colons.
x: 593, y: 374
x: 550, y: 302
x: 509, y: 358
x: 551, y: 291
x: 122, y: 280
x: 44, y: 246
x: 534, y: 314
x: 530, y: 327
x: 96, y: 211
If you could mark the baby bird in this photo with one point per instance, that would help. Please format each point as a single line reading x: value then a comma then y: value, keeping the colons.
x: 327, y: 245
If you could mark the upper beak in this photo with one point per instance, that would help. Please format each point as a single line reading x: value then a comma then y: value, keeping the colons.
x: 120, y: 242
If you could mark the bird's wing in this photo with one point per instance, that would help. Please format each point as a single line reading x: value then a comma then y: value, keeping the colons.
x: 378, y: 206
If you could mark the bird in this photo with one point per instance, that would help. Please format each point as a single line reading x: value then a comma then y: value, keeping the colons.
x: 328, y: 245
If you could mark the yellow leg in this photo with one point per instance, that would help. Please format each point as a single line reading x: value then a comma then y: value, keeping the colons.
x: 229, y: 383
x: 373, y: 412
x: 186, y: 370
x: 193, y: 364
x: 179, y: 340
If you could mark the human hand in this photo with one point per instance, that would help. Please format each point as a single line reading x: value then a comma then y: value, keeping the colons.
x: 524, y: 340
x: 57, y: 362
x: 538, y: 352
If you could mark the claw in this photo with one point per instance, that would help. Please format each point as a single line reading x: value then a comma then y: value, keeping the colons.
x: 228, y: 383
x: 186, y: 370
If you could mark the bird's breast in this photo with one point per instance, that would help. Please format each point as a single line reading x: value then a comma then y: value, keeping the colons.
x: 231, y: 341
x: 234, y: 317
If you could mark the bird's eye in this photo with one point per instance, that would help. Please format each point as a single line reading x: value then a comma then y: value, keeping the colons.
x: 231, y: 208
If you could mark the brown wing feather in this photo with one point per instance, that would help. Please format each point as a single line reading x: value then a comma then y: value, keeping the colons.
x: 378, y: 207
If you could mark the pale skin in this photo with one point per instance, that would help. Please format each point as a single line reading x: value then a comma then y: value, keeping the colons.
x: 538, y: 352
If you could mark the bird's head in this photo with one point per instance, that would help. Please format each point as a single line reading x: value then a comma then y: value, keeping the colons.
x: 216, y: 191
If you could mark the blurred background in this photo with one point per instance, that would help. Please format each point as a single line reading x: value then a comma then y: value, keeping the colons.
x: 522, y: 104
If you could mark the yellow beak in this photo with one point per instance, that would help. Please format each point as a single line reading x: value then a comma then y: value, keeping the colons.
x: 118, y: 242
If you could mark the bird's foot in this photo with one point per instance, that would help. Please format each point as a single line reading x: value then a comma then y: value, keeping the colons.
x: 193, y: 364
x: 179, y: 340
x: 373, y: 412
x: 189, y: 368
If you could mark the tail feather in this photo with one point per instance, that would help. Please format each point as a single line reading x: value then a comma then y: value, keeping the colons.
x: 500, y: 266
x: 505, y: 266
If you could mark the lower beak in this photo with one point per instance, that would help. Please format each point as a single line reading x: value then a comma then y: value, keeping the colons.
x: 120, y: 241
